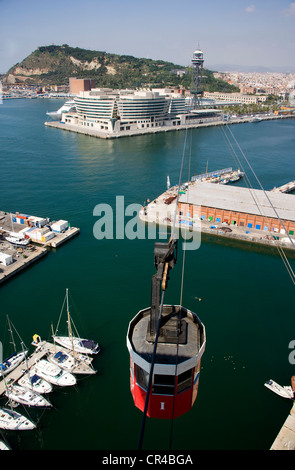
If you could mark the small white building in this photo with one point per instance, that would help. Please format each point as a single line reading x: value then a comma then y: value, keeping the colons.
x: 6, y: 259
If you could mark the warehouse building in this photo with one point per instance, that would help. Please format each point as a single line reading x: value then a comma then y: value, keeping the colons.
x: 249, y: 208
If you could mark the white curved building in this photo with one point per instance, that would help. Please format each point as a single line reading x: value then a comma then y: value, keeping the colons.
x: 121, y: 111
x: 149, y: 105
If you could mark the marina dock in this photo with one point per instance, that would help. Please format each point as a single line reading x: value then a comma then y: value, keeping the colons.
x: 44, y: 348
x: 42, y: 233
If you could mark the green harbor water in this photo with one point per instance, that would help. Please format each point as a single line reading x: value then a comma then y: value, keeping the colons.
x: 247, y: 295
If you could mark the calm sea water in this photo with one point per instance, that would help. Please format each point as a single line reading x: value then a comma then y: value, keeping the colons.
x: 248, y: 298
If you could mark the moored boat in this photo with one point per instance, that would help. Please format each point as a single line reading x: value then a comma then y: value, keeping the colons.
x: 72, y: 362
x: 12, y: 362
x: 285, y: 391
x: 31, y: 380
x: 13, y: 421
x: 3, y: 446
x: 74, y: 343
x: 54, y: 374
x: 26, y: 396
x: 84, y: 346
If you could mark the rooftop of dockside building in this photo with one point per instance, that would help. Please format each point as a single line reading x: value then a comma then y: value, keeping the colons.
x: 240, y: 199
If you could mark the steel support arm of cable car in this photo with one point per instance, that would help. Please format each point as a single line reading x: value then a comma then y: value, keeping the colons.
x: 165, y: 259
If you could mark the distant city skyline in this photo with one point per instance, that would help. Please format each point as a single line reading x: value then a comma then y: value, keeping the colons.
x: 239, y: 34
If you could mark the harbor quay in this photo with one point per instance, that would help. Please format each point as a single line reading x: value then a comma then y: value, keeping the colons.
x: 199, y: 123
x: 226, y: 212
x: 26, y: 239
x: 285, y: 439
x: 42, y: 349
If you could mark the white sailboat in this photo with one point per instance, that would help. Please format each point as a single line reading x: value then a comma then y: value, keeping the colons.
x: 12, y: 362
x: 15, y: 359
x: 25, y: 396
x: 13, y: 421
x: 3, y: 446
x: 53, y: 374
x: 81, y: 345
x: 72, y: 362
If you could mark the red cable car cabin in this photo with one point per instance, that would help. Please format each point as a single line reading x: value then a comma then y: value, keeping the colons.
x: 177, y: 365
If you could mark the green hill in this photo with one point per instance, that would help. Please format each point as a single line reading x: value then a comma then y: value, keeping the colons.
x: 53, y: 65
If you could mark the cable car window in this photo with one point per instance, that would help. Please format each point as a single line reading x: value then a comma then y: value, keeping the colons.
x: 142, y: 377
x: 184, y: 381
x: 163, y: 384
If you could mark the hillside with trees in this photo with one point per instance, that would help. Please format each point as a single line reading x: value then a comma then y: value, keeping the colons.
x: 54, y: 65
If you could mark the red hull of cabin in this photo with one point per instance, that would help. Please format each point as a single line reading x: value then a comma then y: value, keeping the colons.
x: 161, y: 406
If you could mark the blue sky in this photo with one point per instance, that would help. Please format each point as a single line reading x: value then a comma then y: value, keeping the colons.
x: 243, y: 32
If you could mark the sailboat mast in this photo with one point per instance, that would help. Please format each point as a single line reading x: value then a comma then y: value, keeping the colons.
x: 69, y: 323
x: 9, y: 327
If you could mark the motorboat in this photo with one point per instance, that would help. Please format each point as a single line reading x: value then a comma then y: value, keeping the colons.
x: 282, y: 391
x: 26, y: 396
x: 54, y: 374
x: 35, y: 382
x: 13, y: 421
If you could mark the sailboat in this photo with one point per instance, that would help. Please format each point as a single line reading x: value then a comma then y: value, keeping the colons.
x: 72, y: 362
x: 13, y: 421
x: 84, y: 346
x: 53, y: 374
x: 3, y: 446
x: 15, y: 359
x: 25, y: 396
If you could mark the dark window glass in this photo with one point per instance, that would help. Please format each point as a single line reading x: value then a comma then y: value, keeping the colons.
x: 163, y: 384
x: 142, y: 377
x: 184, y: 381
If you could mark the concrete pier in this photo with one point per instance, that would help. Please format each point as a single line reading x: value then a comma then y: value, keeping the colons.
x: 286, y: 188
x: 21, y: 257
x: 285, y: 440
x: 161, y: 212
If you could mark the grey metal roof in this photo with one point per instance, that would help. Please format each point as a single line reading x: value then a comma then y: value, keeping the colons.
x: 239, y: 199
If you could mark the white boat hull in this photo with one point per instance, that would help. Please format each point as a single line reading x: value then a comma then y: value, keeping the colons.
x: 54, y: 374
x: 33, y: 381
x: 81, y: 345
x: 18, y: 240
x: 285, y: 392
x: 12, y: 362
x: 26, y: 396
x: 12, y: 421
